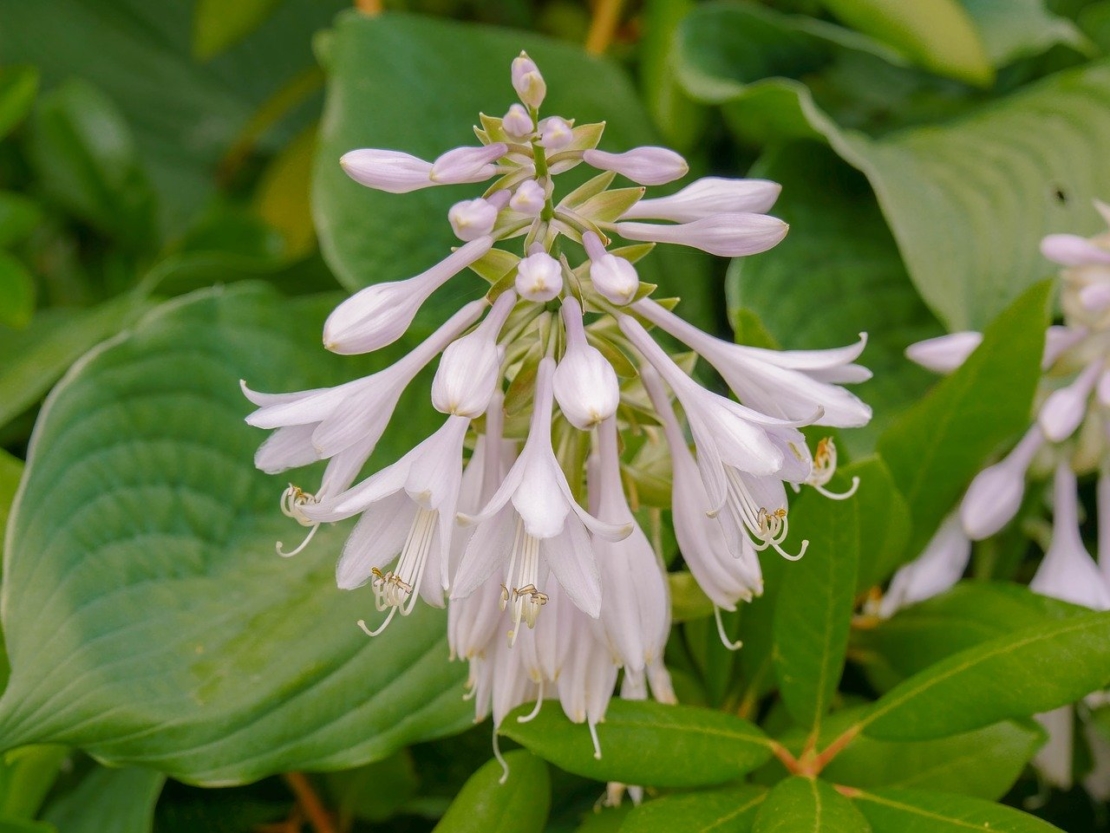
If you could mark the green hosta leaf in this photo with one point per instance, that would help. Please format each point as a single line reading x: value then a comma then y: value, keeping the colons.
x: 936, y: 447
x: 17, y: 293
x: 798, y: 804
x: 10, y: 825
x: 18, y: 217
x: 605, y: 819
x: 11, y: 469
x: 1013, y: 29
x: 984, y: 763
x: 26, y: 775
x: 837, y: 274
x: 1026, y: 672
x: 814, y: 610
x: 120, y: 800
x: 681, y: 121
x: 914, y: 811
x: 486, y: 805
x: 730, y: 810
x: 146, y: 615
x: 18, y: 88
x: 641, y: 743
x: 884, y: 520
x: 37, y: 355
x: 935, y: 34
x: 218, y: 25
x: 688, y: 600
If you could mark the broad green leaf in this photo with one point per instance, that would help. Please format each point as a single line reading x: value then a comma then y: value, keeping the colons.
x: 917, y: 811
x: 814, y: 610
x: 798, y: 804
x: 937, y: 446
x: 837, y: 274
x: 681, y: 121
x: 425, y: 101
x: 1029, y: 671
x: 17, y: 293
x: 18, y: 217
x: 282, y: 198
x: 218, y: 25
x: 884, y: 521
x: 729, y: 810
x: 935, y: 34
x: 1013, y: 29
x: 688, y: 600
x: 36, y: 356
x: 120, y: 800
x: 924, y: 176
x: 641, y: 742
x: 18, y: 88
x: 970, y: 613
x: 11, y: 469
x: 519, y: 804
x: 605, y: 819
x: 10, y: 825
x: 984, y: 763
x: 26, y: 775
x: 146, y: 614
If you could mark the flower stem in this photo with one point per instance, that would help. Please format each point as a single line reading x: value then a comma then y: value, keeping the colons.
x: 309, y: 802
x: 602, y: 26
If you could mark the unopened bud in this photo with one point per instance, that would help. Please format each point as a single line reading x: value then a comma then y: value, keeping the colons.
x: 555, y: 133
x: 467, y: 164
x: 529, y: 198
x: 528, y: 82
x: 471, y: 219
x: 615, y: 278
x: 539, y: 277
x: 517, y: 123
x: 645, y: 165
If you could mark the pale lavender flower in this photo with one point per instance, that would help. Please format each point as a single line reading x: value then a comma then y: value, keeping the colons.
x: 937, y: 569
x: 467, y: 164
x: 708, y: 197
x: 726, y: 235
x: 539, y: 277
x: 527, y: 81
x: 994, y: 496
x: 517, y: 123
x: 1065, y: 408
x: 944, y: 354
x: 643, y: 165
x: 613, y: 277
x: 585, y: 384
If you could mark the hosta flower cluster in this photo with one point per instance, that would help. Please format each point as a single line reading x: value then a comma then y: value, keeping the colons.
x: 1069, y: 438
x: 554, y: 390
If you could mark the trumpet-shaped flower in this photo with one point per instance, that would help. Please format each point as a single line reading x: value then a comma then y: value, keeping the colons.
x: 994, y: 496
x: 937, y: 568
x: 585, y: 384
x: 470, y: 370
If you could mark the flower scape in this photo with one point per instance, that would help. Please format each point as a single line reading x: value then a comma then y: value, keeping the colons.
x: 518, y: 512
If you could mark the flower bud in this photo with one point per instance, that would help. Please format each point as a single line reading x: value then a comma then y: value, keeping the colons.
x: 645, y: 165
x: 706, y: 197
x: 529, y: 198
x: 470, y: 370
x: 944, y: 354
x: 387, y: 170
x: 527, y: 81
x: 1073, y: 250
x: 471, y: 219
x: 586, y: 386
x: 467, y: 164
x: 1065, y: 408
x: 615, y: 278
x: 517, y: 123
x: 555, y: 133
x: 994, y: 496
x: 726, y: 235
x: 539, y: 277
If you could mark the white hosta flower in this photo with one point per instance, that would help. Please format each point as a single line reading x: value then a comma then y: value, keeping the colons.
x: 726, y: 235
x: 643, y: 165
x: 937, y: 569
x: 1072, y: 250
x: 588, y: 674
x: 1068, y: 571
x: 586, y: 385
x: 613, y: 277
x: 378, y: 315
x: 555, y: 133
x: 1058, y: 340
x: 636, y: 616
x: 1095, y: 296
x: 1054, y: 760
x: 1065, y: 408
x: 517, y: 123
x: 527, y: 81
x: 1097, y: 781
x: 470, y: 371
x: 539, y: 277
x: 529, y: 198
x: 533, y: 524
x: 726, y: 577
x: 1103, y: 501
x: 407, y: 508
x: 387, y: 170
x: 471, y: 219
x: 467, y: 164
x: 994, y: 496
x: 944, y: 354
x: 764, y: 385
x: 708, y: 197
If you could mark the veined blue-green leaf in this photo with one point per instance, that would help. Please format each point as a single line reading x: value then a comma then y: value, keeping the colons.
x: 915, y: 811
x: 730, y: 810
x: 641, y: 742
x: 798, y: 804
x: 147, y: 616
x: 26, y: 775
x: 486, y: 805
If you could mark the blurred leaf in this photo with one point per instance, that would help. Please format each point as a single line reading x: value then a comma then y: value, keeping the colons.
x: 681, y: 121
x: 485, y: 805
x: 9, y: 825
x: 17, y: 293
x: 178, y: 621
x: 376, y: 791
x: 18, y: 88
x: 605, y: 819
x: 1026, y: 672
x: 18, y: 217
x: 884, y: 521
x: 729, y: 810
x: 40, y: 353
x: 86, y: 161
x: 11, y: 469
x: 120, y: 800
x: 183, y: 809
x: 984, y: 763
x: 935, y: 34
x: 217, y: 25
x: 814, y: 610
x: 1013, y: 29
x: 937, y: 446
x: 837, y: 273
x: 917, y: 811
x: 282, y: 198
x: 688, y: 600
x: 26, y: 775
x: 641, y: 742
x: 798, y: 804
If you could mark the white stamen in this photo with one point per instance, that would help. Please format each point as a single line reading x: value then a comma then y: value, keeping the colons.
x: 728, y: 643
